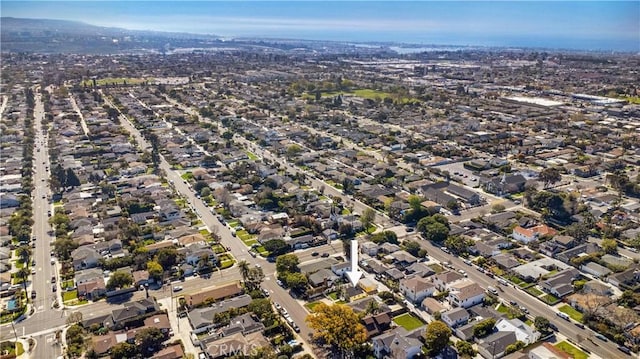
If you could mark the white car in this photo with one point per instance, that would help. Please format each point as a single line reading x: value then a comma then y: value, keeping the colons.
x: 177, y: 288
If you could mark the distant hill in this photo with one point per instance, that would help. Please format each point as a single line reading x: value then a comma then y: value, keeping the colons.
x: 63, y: 36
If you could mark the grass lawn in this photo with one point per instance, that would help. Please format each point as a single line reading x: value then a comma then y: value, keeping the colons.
x: 19, y: 348
x: 250, y: 242
x: 251, y: 156
x: 311, y: 305
x: 574, y: 314
x: 226, y: 264
x: 408, y: 321
x: 436, y: 268
x: 204, y: 232
x: 233, y: 224
x: 571, y: 350
x: 217, y: 249
x: 341, y: 302
x: 71, y: 295
x: 187, y: 176
x: 503, y: 309
x: 534, y: 291
x: 333, y: 295
x: 550, y: 299
x: 263, y: 252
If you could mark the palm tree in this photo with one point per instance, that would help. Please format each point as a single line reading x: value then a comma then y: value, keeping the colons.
x: 23, y: 273
x: 372, y: 307
x: 243, y: 265
x: 24, y: 252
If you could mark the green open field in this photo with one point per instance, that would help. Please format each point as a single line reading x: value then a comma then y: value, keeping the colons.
x: 115, y: 80
x: 408, y: 321
x: 571, y: 350
x: 369, y: 94
x: 311, y: 305
x: 570, y: 311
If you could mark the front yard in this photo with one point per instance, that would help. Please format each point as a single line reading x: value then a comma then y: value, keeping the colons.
x: 570, y: 311
x: 408, y: 321
x: 571, y: 350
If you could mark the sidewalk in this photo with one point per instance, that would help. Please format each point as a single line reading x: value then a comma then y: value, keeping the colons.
x: 180, y: 326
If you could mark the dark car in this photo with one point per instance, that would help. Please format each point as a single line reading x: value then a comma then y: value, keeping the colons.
x: 314, y: 254
x: 325, y: 255
x: 33, y: 294
x: 579, y: 325
x: 54, y: 288
x: 624, y: 350
x: 553, y: 327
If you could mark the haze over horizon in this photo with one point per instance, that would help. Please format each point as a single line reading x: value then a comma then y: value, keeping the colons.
x: 591, y: 25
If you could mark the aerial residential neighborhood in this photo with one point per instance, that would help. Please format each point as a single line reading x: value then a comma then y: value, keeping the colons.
x: 309, y: 199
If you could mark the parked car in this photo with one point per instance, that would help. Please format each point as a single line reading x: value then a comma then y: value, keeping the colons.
x: 325, y: 255
x: 314, y: 254
x: 601, y: 337
x: 54, y: 288
x: 177, y: 288
x: 624, y: 350
x: 579, y: 325
x: 33, y: 294
x: 564, y: 316
x: 266, y: 292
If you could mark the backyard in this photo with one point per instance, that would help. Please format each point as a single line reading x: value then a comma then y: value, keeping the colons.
x: 408, y: 321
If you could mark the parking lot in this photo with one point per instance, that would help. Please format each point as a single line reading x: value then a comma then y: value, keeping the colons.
x: 460, y: 174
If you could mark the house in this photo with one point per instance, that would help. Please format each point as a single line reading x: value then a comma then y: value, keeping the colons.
x: 235, y: 344
x: 170, y: 352
x: 159, y: 321
x: 455, y: 317
x: 494, y: 346
x: 432, y: 306
x: 341, y: 268
x: 504, y: 185
x: 625, y: 280
x: 466, y: 195
x: 416, y: 288
x: 524, y: 235
x: 245, y: 324
x: 202, y: 319
x: 376, y: 324
x: 369, y: 248
x: 196, y: 251
x: 595, y: 269
x: 420, y: 269
x: 597, y: 288
x: 92, y: 289
x: 216, y: 293
x: 323, y: 277
x: 506, y: 261
x: 560, y: 283
x: 351, y: 294
x: 524, y: 333
x: 403, y: 259
x: 87, y: 275
x: 85, y: 257
x: 398, y: 343
x: 443, y: 280
x: 465, y: 294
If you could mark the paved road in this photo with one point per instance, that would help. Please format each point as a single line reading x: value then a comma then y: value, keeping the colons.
x: 536, y: 307
x: 238, y: 249
x: 45, y: 320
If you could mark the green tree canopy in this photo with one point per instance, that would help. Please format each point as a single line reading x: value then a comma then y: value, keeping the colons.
x: 436, y: 337
x: 149, y: 339
x: 337, y: 326
x: 287, y: 263
x: 119, y: 279
x: 434, y: 228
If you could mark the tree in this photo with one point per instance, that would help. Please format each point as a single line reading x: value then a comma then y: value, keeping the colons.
x: 512, y: 348
x: 434, y: 228
x: 123, y: 350
x: 168, y: 257
x: 244, y: 268
x: 436, y: 337
x: 23, y: 274
x: 276, y: 247
x: 24, y: 252
x: 296, y: 281
x: 74, y: 318
x: 337, y: 326
x: 368, y: 215
x: 609, y: 246
x: 412, y: 247
x: 287, y: 263
x: 254, y: 278
x: 149, y: 339
x: 465, y: 349
x: 549, y: 176
x: 415, y: 202
x: 63, y: 247
x: 458, y: 244
x: 542, y: 324
x: 261, y: 307
x: 155, y: 270
x: 119, y: 279
x: 484, y: 328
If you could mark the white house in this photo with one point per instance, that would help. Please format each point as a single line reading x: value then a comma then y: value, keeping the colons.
x: 416, y: 288
x: 524, y: 333
x: 465, y: 294
x: 397, y: 343
x: 524, y: 235
x: 455, y: 317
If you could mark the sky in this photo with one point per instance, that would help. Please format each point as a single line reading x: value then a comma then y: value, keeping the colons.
x: 585, y: 25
